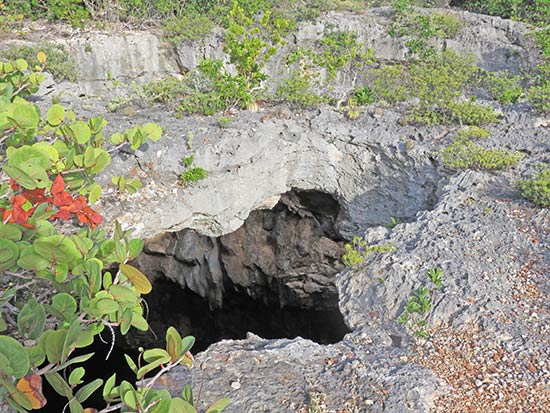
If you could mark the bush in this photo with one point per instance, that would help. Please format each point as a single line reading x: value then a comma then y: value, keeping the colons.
x: 470, y: 113
x: 503, y: 87
x: 438, y: 25
x: 465, y: 154
x: 390, y: 83
x: 191, y: 26
x: 59, y: 63
x: 51, y: 162
x: 298, y: 90
x: 532, y: 11
x: 537, y: 188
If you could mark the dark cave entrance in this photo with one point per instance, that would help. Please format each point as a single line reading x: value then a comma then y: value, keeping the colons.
x: 273, y: 277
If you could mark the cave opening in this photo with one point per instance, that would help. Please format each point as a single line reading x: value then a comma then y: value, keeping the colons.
x: 273, y: 277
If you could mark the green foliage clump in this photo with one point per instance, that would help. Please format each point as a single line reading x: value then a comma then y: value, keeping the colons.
x: 340, y: 50
x: 59, y: 63
x: 417, y: 309
x: 73, y: 11
x: 537, y: 188
x: 531, y: 11
x: 503, y: 87
x: 363, y: 96
x: 358, y: 250
x: 538, y: 95
x: 168, y: 91
x: 440, y: 25
x: 463, y: 153
x: 298, y: 89
x: 542, y: 37
x: 390, y: 83
x: 470, y: 113
x: 192, y: 173
x: 50, y: 162
x: 190, y: 26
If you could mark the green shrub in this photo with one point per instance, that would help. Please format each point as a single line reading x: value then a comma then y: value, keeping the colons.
x: 340, y: 50
x: 191, y: 26
x: 363, y: 96
x: 390, y: 83
x: 438, y: 25
x: 543, y: 39
x: 51, y: 161
x: 417, y: 308
x: 169, y: 90
x: 465, y: 154
x: 537, y: 188
x: 532, y: 11
x: 470, y: 113
x: 358, y: 250
x: 539, y: 97
x: 503, y: 87
x: 298, y: 90
x: 59, y: 63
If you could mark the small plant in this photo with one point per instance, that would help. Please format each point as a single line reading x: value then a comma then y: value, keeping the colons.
x: 188, y: 27
x: 503, y: 87
x: 364, y: 96
x: 224, y: 121
x: 358, y: 250
x: 537, y: 188
x: 419, y: 305
x: 465, y: 154
x: 129, y: 184
x: 393, y: 223
x: 539, y: 94
x: 192, y: 173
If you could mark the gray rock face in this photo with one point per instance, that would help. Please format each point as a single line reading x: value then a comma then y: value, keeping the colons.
x: 496, y: 44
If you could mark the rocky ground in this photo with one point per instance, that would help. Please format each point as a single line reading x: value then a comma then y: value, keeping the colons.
x: 489, y: 328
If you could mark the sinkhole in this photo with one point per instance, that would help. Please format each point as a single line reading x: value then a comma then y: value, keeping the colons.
x: 274, y: 277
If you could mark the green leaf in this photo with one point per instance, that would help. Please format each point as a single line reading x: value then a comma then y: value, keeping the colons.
x: 87, y: 390
x: 31, y: 319
x: 106, y: 305
x: 21, y: 65
x: 153, y: 131
x: 148, y: 368
x: 139, y: 322
x: 10, y: 232
x: 109, y: 387
x: 74, y: 360
x: 174, y: 344
x: 57, y: 248
x: 9, y: 253
x: 156, y: 354
x: 219, y: 405
x: 55, y: 115
x: 137, y: 278
x: 25, y: 116
x: 178, y: 405
x: 59, y: 384
x: 53, y: 345
x: 131, y: 363
x: 187, y: 344
x: 75, y: 406
x: 30, y: 261
x: 128, y: 394
x: 187, y: 394
x: 65, y: 304
x: 81, y: 132
x: 95, y: 194
x: 76, y: 375
x: 15, y: 360
x: 124, y: 295
x: 135, y: 247
x: 126, y: 321
x: 89, y: 157
x: 116, y: 138
x: 36, y: 355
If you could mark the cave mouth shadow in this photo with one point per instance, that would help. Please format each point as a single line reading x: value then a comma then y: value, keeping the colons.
x: 240, y: 314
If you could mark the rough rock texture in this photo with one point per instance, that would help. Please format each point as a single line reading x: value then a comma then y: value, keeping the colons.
x: 497, y: 44
x: 490, y: 321
x: 282, y: 255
